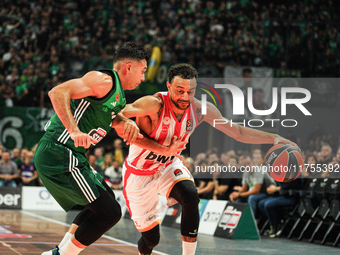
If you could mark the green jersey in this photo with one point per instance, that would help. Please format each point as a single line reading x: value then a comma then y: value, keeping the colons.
x: 92, y: 115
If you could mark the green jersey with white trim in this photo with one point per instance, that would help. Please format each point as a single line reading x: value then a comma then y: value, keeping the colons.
x: 92, y: 115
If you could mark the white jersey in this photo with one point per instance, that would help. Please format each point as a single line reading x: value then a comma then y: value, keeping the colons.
x: 145, y: 162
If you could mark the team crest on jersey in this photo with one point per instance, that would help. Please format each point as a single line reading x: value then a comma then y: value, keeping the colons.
x: 166, y: 124
x: 117, y: 97
x: 178, y: 172
x: 97, y: 134
x: 189, y: 125
x: 166, y: 120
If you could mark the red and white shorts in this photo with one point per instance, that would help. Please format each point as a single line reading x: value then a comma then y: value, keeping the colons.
x: 141, y: 191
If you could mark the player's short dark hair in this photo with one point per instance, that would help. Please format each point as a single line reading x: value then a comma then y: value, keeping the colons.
x: 185, y: 71
x: 130, y: 50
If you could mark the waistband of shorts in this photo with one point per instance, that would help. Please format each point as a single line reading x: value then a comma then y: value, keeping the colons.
x: 137, y: 171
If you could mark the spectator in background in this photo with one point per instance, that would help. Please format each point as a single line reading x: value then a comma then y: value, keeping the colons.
x: 212, y: 157
x: 7, y: 94
x: 326, y: 154
x: 254, y: 185
x: 332, y: 170
x: 225, y: 156
x: 107, y: 162
x: 247, y: 75
x: 15, y: 154
x: 118, y: 151
x: 23, y: 153
x: 225, y: 183
x: 246, y: 162
x: 204, y: 181
x: 199, y: 157
x: 196, y: 172
x: 189, y: 163
x: 337, y: 156
x: 310, y: 167
x: 8, y: 171
x: 253, y: 37
x: 27, y: 171
x: 113, y: 176
x: 93, y: 163
x: 279, y: 198
x: 99, y: 152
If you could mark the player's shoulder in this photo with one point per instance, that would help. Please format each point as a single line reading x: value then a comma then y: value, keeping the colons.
x: 150, y: 101
x: 97, y: 77
x: 196, y: 103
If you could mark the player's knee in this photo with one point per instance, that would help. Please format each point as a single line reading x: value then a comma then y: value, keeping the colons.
x: 113, y: 213
x: 151, y: 238
x: 116, y: 214
x: 186, y: 194
x: 190, y: 198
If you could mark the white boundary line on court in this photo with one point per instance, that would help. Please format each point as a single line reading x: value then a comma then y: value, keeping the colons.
x: 67, y: 225
x: 10, y: 247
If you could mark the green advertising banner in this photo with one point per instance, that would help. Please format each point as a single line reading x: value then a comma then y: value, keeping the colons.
x: 22, y: 126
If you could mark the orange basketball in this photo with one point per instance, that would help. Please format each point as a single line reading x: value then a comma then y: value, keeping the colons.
x: 284, y: 162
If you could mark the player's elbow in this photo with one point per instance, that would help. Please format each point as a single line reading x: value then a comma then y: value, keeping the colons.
x: 51, y: 93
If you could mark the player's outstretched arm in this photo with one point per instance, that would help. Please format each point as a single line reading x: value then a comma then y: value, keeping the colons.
x: 240, y: 133
x: 94, y: 84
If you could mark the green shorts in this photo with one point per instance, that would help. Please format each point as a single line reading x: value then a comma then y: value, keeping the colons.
x: 66, y: 174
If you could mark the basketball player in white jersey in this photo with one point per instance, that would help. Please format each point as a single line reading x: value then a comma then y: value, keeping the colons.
x: 164, y: 117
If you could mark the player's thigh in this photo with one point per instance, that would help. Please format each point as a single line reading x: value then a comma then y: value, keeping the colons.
x: 173, y: 174
x: 64, y: 171
x: 141, y: 196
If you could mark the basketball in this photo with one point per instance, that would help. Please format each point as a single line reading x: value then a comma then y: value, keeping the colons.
x: 284, y: 162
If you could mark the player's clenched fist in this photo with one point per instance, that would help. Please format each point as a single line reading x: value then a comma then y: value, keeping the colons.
x: 81, y: 139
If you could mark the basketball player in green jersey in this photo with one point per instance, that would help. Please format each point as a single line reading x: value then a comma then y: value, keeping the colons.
x: 86, y: 109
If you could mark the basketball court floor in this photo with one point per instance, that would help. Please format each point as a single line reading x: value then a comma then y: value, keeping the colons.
x: 32, y: 232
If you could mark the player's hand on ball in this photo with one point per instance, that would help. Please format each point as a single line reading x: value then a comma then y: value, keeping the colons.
x: 279, y: 139
x: 131, y: 132
x: 82, y: 139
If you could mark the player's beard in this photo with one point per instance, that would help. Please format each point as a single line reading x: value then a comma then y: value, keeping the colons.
x: 179, y: 106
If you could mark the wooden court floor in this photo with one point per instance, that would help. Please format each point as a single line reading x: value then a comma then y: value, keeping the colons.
x: 33, y: 232
x: 24, y: 233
